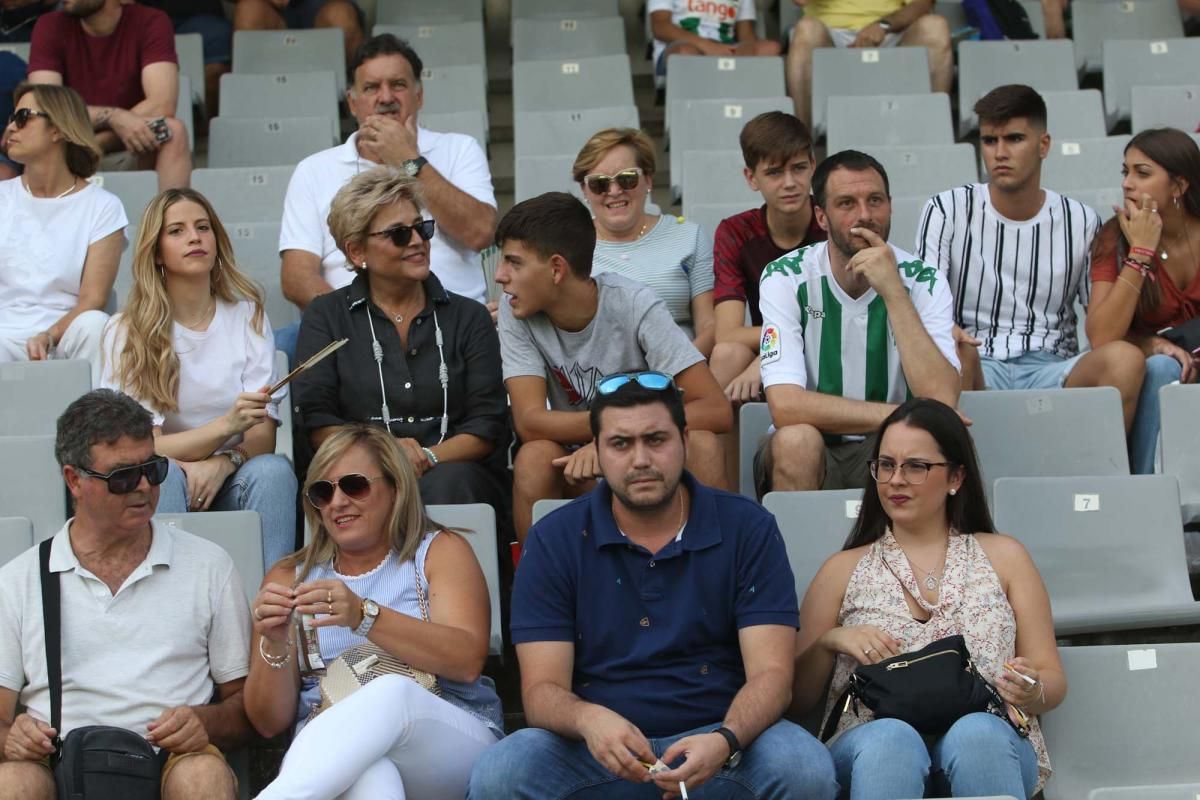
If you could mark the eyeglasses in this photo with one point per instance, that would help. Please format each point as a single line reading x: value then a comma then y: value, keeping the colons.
x: 124, y: 480
x: 401, y: 235
x: 654, y: 381
x: 914, y: 472
x: 354, y: 486
x: 20, y: 117
x: 626, y: 179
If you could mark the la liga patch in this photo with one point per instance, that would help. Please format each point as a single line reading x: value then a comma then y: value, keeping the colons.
x: 770, y: 349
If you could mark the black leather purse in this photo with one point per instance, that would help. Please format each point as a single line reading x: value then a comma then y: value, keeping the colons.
x: 1185, y: 334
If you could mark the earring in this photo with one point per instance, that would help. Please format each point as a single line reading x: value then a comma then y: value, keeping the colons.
x: 953, y: 492
x: 1177, y: 201
x: 364, y: 264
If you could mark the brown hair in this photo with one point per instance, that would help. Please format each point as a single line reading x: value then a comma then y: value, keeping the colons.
x: 604, y: 141
x: 774, y: 137
x: 66, y: 111
x: 554, y: 223
x: 1012, y: 101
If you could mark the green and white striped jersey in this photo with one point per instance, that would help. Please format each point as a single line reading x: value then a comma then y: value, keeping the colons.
x: 816, y: 336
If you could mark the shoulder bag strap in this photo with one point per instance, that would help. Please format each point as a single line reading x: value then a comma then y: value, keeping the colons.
x: 52, y: 633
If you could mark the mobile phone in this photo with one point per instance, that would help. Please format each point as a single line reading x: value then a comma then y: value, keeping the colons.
x: 161, y: 132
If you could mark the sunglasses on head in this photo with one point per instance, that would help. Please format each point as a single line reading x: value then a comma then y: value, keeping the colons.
x: 626, y: 179
x: 354, y: 486
x: 124, y: 480
x: 20, y: 117
x: 654, y: 381
x: 401, y: 235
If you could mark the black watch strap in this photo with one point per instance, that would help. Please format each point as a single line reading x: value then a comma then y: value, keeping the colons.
x: 735, y: 747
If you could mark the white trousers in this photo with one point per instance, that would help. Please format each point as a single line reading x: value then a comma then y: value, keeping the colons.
x: 81, y: 340
x: 390, y: 740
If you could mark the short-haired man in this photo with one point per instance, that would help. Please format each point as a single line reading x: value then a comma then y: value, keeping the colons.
x: 866, y: 24
x: 120, y: 57
x: 385, y: 95
x: 561, y: 330
x: 153, y: 619
x: 654, y: 620
x: 710, y: 28
x: 851, y: 327
x: 777, y: 149
x: 1017, y: 257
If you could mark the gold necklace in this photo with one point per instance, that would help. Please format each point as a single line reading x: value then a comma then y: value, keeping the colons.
x: 1184, y: 234
x: 210, y: 308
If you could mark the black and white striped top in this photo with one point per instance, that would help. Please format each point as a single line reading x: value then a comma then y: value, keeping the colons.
x: 1014, y: 283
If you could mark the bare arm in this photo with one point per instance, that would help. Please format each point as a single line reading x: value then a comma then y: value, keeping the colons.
x: 300, y: 277
x: 1113, y: 305
x: 463, y: 447
x: 705, y: 405
x: 819, y: 615
x: 271, y: 694
x: 225, y: 720
x: 767, y: 656
x: 731, y: 325
x: 534, y: 421
x: 703, y: 323
x: 197, y: 444
x: 160, y: 84
x: 794, y: 405
x: 99, y: 272
x: 926, y: 370
x: 458, y: 214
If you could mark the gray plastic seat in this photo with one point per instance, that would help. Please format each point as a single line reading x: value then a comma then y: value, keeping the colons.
x: 1075, y: 114
x: 256, y: 248
x: 271, y: 142
x: 478, y: 524
x: 462, y: 88
x: 553, y: 133
x: 136, y: 189
x: 713, y: 78
x: 297, y: 94
x: 535, y: 175
x: 19, y: 49
x: 754, y: 420
x: 36, y: 392
x: 715, y: 176
x: 1162, y: 62
x: 849, y: 72
x: 1096, y: 21
x: 709, y: 215
x: 1181, y: 443
x: 1046, y: 65
x: 891, y: 120
x: 1165, y: 106
x: 239, y: 533
x: 1125, y: 729
x: 189, y: 49
x: 16, y: 536
x: 184, y: 112
x: 31, y: 483
x: 540, y: 39
x: 543, y: 507
x: 1084, y: 163
x: 471, y: 123
x: 956, y: 16
x: 906, y: 221
x: 283, y: 434
x: 442, y: 44
x: 714, y: 125
x: 246, y: 194
x: 926, y: 169
x: 569, y: 85
x: 564, y: 9
x: 422, y: 12
x: 278, y: 52
x: 814, y: 527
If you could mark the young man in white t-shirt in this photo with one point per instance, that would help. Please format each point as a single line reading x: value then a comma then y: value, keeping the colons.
x: 851, y: 327
x: 561, y: 331
x: 705, y: 28
x: 1029, y: 259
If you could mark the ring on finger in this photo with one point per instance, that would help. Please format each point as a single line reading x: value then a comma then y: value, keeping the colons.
x: 257, y: 614
x: 330, y: 608
x: 329, y: 595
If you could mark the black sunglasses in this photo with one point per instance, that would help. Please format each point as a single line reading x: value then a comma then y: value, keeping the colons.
x: 20, y: 117
x: 354, y: 486
x: 627, y: 179
x: 654, y: 381
x: 124, y: 480
x: 402, y: 234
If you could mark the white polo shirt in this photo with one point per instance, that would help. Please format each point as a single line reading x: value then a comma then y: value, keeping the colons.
x: 458, y: 158
x: 177, y: 626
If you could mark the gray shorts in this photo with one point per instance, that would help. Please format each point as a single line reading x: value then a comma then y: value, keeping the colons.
x: 845, y: 464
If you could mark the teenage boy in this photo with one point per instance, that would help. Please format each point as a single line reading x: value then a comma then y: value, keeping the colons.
x: 777, y: 149
x: 561, y: 330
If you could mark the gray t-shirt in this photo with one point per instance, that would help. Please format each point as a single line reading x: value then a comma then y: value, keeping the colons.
x: 632, y: 331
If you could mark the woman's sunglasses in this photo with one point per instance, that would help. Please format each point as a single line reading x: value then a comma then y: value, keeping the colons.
x: 401, y: 235
x: 626, y: 179
x: 124, y: 480
x: 354, y: 486
x: 20, y: 117
x: 654, y: 381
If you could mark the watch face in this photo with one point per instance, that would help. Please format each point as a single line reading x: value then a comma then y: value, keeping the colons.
x: 372, y: 608
x: 734, y: 760
x: 412, y: 168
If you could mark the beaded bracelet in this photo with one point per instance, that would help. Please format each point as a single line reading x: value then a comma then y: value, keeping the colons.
x: 275, y: 662
x: 433, y: 459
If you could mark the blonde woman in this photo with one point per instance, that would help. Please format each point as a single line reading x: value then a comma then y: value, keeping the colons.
x: 60, y: 236
x: 374, y: 558
x: 195, y: 348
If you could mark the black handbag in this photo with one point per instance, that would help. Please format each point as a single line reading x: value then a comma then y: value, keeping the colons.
x: 930, y: 689
x: 97, y: 762
x: 1185, y: 334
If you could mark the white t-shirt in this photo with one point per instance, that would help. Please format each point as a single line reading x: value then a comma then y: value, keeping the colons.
x: 215, y: 365
x: 816, y: 336
x: 178, y: 625
x: 43, y: 244
x: 458, y: 158
x: 710, y: 19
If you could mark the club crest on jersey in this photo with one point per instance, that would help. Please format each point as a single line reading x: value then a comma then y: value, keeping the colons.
x: 769, y: 350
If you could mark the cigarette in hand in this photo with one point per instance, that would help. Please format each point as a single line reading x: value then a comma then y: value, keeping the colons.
x: 1020, y: 675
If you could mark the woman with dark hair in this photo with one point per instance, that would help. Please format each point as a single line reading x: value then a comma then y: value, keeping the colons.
x: 1146, y: 270
x: 922, y: 563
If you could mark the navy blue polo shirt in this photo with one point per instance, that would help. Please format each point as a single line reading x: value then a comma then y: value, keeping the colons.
x: 656, y: 635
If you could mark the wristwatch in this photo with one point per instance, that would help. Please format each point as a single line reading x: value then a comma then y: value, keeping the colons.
x: 735, y: 748
x: 887, y: 26
x: 370, y: 613
x: 235, y: 457
x: 412, y: 167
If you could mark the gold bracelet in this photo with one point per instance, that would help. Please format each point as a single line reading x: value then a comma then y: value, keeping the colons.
x: 275, y: 662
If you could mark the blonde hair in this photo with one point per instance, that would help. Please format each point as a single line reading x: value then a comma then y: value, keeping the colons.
x: 148, y: 366
x: 407, y: 523
x: 357, y: 203
x: 65, y: 110
x: 602, y: 142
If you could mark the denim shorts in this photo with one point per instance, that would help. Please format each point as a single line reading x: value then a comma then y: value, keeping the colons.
x: 304, y: 13
x: 217, y: 33
x: 1033, y: 370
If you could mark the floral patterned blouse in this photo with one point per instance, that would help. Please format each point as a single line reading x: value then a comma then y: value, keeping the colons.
x: 972, y: 603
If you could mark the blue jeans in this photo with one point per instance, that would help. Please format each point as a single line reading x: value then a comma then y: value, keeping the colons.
x: 980, y: 755
x: 784, y: 763
x: 1143, y: 437
x: 265, y: 484
x: 285, y: 340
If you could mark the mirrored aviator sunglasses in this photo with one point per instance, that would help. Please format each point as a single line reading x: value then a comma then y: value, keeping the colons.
x: 654, y: 381
x: 401, y: 235
x: 627, y: 179
x: 354, y: 486
x: 124, y: 480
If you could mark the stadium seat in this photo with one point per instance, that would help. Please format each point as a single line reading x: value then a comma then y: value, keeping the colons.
x: 279, y: 52
x: 956, y: 15
x: 31, y: 483
x: 1101, y: 200
x: 1046, y: 65
x: 541, y: 39
x: 471, y: 123
x: 445, y: 44
x: 543, y: 507
x: 1165, y: 106
x: 814, y: 527
x: 1075, y: 114
x: 555, y: 133
x: 238, y: 532
x: 849, y: 72
x: 906, y: 220
x: 714, y: 125
x: 298, y: 94
x: 563, y: 9
x: 856, y: 122
x: 269, y: 142
x: 1165, y: 62
x: 284, y: 433
x: 189, y: 49
x: 422, y: 12
x: 20, y: 49
x: 1125, y: 729
x: 184, y: 111
x: 136, y: 189
x: 709, y: 215
x: 715, y: 176
x: 714, y: 78
x: 245, y: 194
x: 16, y: 536
x: 37, y: 392
x: 1181, y: 443
x: 536, y: 175
x: 754, y: 421
x: 1084, y: 163
x: 928, y: 169
x: 597, y: 82
x: 1095, y: 21
x: 478, y: 521
x: 256, y: 247
x: 447, y: 89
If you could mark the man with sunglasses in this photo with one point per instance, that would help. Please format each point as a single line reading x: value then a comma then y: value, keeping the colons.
x: 655, y: 620
x: 154, y: 620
